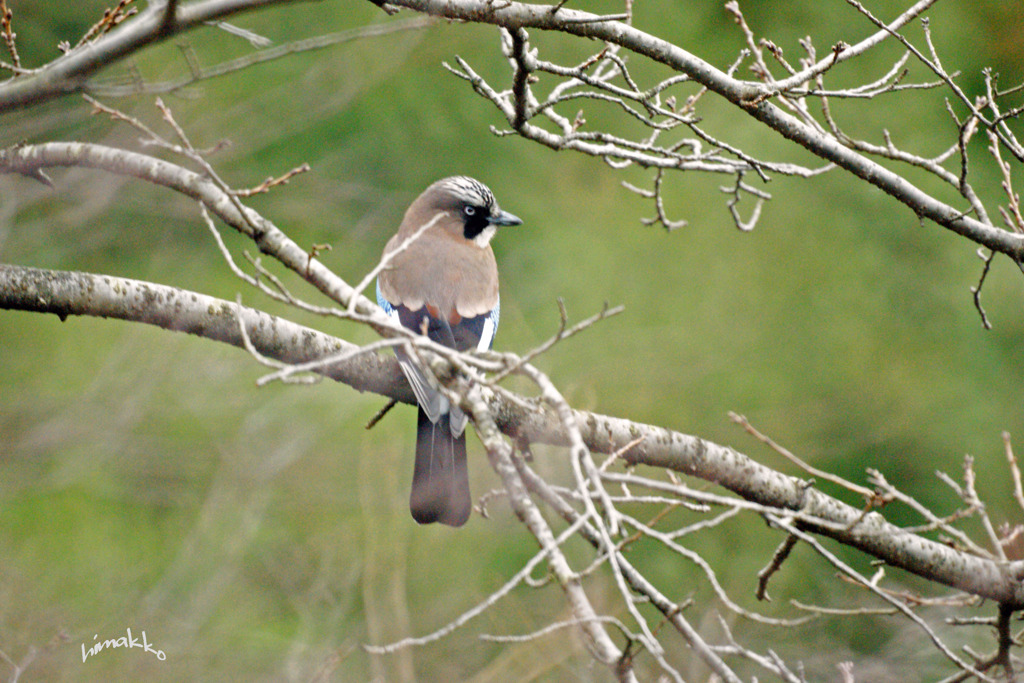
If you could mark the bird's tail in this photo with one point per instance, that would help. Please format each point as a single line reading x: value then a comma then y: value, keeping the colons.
x: 440, y: 481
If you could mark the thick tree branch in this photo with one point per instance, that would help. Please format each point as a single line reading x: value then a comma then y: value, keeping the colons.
x: 528, y: 420
x: 106, y: 296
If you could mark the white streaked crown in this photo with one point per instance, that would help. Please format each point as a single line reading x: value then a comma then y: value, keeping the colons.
x: 469, y: 190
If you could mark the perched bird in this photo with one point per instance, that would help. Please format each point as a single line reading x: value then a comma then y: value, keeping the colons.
x: 444, y: 283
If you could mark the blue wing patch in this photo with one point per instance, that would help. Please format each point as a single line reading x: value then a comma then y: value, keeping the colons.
x: 382, y: 302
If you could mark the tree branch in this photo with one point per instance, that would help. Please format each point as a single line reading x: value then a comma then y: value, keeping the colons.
x: 753, y: 98
x: 69, y: 73
x: 67, y: 294
x: 590, y: 510
x: 31, y: 159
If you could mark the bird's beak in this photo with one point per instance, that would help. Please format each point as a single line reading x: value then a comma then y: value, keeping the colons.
x: 505, y: 218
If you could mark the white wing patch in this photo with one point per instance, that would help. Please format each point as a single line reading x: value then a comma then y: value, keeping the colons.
x: 490, y: 328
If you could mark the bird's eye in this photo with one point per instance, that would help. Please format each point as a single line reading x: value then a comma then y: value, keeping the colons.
x: 469, y: 210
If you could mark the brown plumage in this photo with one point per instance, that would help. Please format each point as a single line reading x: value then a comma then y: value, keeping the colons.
x: 445, y: 282
x: 459, y: 276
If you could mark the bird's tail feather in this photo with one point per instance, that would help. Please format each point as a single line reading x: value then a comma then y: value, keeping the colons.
x: 440, y: 481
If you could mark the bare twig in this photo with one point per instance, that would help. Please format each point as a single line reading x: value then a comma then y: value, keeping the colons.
x: 1012, y: 213
x: 868, y: 494
x: 111, y: 18
x: 501, y: 459
x: 121, y: 87
x: 770, y: 662
x: 381, y: 413
x: 970, y: 496
x: 551, y: 628
x: 778, y: 557
x: 976, y: 289
x: 709, y: 574
x: 659, y: 203
x: 889, y: 492
x: 737, y: 190
x: 856, y: 576
x: 274, y: 182
x: 19, y: 667
x: 9, y: 36
x: 1011, y: 459
x: 513, y: 363
x: 486, y: 603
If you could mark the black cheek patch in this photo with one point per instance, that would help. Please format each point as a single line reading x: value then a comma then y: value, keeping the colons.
x: 474, y: 225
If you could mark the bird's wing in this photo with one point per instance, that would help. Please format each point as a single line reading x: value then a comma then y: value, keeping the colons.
x: 488, y: 326
x: 469, y: 333
x: 433, y: 402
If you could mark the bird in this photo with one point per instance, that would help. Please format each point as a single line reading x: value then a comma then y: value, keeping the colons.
x: 444, y: 284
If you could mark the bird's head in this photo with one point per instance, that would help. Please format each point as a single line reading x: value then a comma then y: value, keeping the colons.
x: 472, y: 205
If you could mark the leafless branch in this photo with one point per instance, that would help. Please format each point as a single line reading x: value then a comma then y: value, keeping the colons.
x: 132, y: 84
x: 518, y: 578
x: 867, y: 494
x: 854, y: 575
x: 887, y: 491
x: 110, y: 19
x: 1018, y: 491
x: 778, y: 557
x: 976, y: 289
x: 609, y: 509
x: 755, y: 99
x: 9, y: 36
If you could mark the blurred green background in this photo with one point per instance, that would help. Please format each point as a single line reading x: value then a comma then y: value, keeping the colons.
x: 263, y: 534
